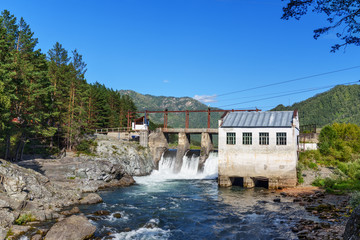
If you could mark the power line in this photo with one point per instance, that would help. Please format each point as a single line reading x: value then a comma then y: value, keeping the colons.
x: 283, y: 95
x: 270, y: 94
x: 278, y: 83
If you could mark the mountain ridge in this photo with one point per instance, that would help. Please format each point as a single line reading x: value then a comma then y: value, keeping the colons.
x: 159, y: 103
x: 339, y: 104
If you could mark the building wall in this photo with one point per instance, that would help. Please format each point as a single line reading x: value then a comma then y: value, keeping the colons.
x: 139, y: 126
x: 270, y: 161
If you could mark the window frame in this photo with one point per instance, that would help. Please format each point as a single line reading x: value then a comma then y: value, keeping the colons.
x: 247, y: 140
x: 230, y: 139
x: 264, y: 138
x: 281, y: 138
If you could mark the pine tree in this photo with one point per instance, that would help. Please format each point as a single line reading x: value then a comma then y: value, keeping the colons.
x: 26, y: 85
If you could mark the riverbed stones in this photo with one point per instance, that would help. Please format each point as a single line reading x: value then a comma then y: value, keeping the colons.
x: 75, y: 210
x: 117, y: 215
x: 74, y: 227
x: 101, y: 213
x: 91, y: 198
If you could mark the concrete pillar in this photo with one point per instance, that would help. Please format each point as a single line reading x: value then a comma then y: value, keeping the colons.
x: 144, y: 138
x: 158, y: 145
x: 206, y: 143
x: 248, y: 182
x: 224, y: 181
x: 183, y: 147
x: 206, y: 147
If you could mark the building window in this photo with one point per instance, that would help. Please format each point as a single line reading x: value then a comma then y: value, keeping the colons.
x: 247, y: 138
x: 231, y: 138
x: 264, y: 138
x: 281, y: 138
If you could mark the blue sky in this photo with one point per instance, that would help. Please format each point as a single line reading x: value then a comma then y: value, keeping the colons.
x: 193, y: 47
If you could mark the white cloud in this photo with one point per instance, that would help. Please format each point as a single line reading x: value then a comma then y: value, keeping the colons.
x: 165, y: 81
x: 205, y: 98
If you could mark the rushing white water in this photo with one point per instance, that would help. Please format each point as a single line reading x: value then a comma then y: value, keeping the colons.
x: 189, y: 168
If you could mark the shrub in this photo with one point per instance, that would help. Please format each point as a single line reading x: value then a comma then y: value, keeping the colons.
x: 299, y: 169
x: 86, y: 146
x: 309, y: 159
x: 355, y: 199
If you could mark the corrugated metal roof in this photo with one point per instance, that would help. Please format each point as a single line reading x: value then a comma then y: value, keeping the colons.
x: 258, y: 119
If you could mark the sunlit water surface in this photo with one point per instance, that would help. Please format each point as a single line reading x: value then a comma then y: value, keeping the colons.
x: 168, y: 206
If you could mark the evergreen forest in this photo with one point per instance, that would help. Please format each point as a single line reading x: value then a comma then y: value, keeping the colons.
x: 46, y: 104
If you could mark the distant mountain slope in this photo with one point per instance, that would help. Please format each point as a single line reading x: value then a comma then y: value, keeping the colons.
x: 150, y: 102
x: 339, y: 104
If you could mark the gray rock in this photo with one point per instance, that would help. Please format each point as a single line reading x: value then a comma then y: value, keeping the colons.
x: 74, y: 227
x: 4, y: 202
x: 27, y: 191
x: 36, y: 237
x: 75, y: 210
x: 6, y: 218
x: 3, y: 233
x: 101, y: 213
x: 352, y: 229
x: 92, y: 198
x: 17, y: 229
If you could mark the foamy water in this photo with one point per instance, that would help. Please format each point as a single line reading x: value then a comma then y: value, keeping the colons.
x: 189, y: 169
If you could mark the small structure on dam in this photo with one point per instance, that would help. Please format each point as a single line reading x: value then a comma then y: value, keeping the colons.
x: 258, y: 149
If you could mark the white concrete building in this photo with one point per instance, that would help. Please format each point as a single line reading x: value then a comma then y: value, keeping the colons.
x: 140, y: 124
x: 258, y: 148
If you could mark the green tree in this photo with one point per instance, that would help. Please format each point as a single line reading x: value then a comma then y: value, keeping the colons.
x: 342, y: 15
x: 341, y: 141
x: 26, y: 85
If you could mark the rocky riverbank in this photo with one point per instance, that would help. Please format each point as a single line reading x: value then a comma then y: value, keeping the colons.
x: 329, y: 213
x: 38, y: 189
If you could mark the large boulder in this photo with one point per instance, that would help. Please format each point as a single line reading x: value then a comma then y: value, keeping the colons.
x: 27, y: 191
x: 352, y: 229
x: 74, y: 227
x: 92, y: 198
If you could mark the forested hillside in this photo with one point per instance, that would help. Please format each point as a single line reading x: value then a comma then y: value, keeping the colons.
x: 149, y: 102
x: 45, y: 99
x: 340, y: 104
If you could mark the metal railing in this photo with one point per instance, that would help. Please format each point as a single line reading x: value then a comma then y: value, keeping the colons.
x: 107, y: 130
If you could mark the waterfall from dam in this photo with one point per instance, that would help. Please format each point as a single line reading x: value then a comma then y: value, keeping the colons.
x: 189, y: 167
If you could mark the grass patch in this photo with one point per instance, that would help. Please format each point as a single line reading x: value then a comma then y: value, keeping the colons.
x: 9, y: 233
x: 25, y: 218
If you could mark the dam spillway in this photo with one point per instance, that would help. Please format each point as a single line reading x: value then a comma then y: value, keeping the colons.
x: 189, y: 166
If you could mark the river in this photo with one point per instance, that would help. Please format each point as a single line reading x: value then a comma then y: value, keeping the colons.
x: 189, y: 205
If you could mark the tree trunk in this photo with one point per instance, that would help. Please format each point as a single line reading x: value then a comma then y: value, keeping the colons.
x: 18, y: 147
x: 22, y: 149
x: 7, y: 147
